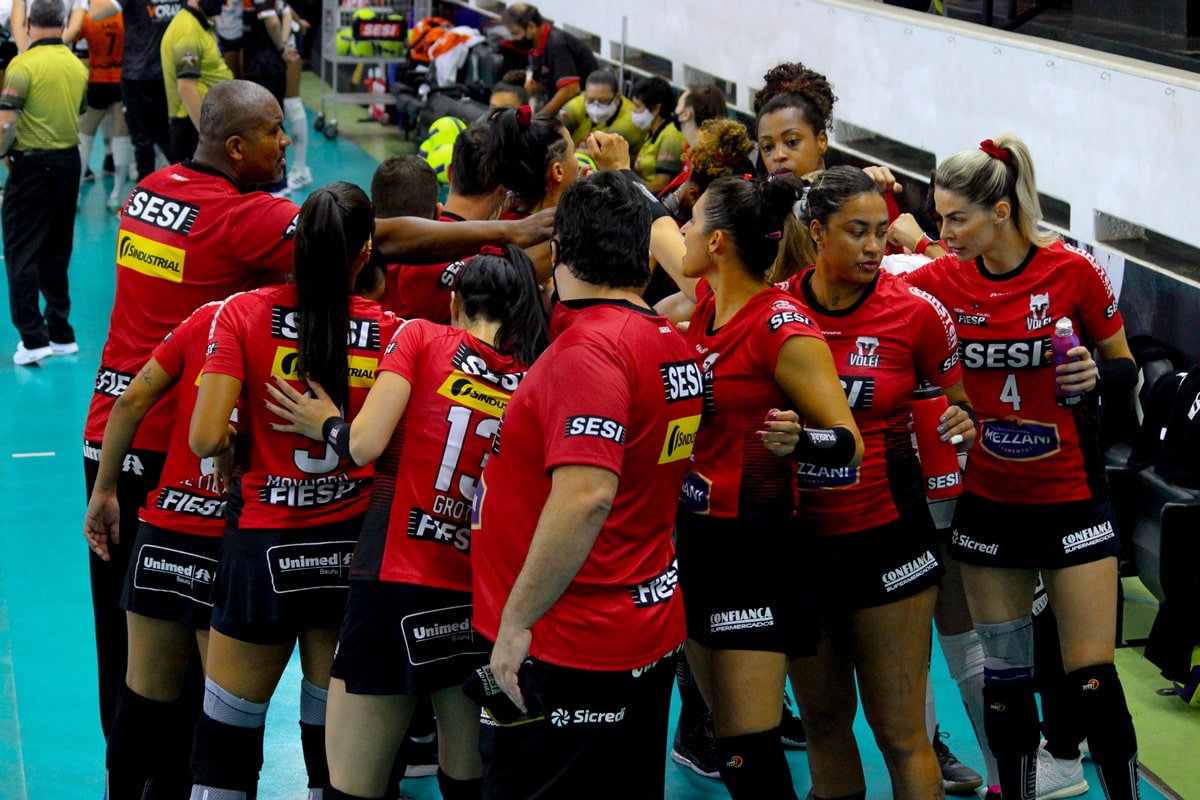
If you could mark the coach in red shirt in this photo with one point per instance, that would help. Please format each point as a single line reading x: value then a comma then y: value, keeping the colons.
x: 574, y: 569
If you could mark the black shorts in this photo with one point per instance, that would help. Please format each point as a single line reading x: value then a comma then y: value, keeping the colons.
x: 879, y: 565
x: 604, y: 734
x: 398, y: 638
x: 272, y: 584
x: 745, y: 583
x: 229, y: 45
x: 103, y: 95
x: 171, y: 575
x: 1052, y: 536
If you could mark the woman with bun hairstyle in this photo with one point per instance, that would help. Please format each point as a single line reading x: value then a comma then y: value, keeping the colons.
x: 1035, y: 493
x: 429, y: 420
x: 868, y: 528
x: 747, y: 611
x: 533, y: 157
x: 295, y: 508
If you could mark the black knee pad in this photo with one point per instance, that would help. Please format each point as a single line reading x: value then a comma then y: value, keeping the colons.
x: 225, y: 756
x: 312, y: 740
x: 452, y: 789
x: 330, y: 793
x: 753, y: 766
x: 1099, y: 700
x: 860, y: 795
x: 1010, y: 718
x: 133, y: 756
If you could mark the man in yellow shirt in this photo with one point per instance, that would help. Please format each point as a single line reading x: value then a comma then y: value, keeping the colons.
x: 602, y: 108
x: 43, y: 96
x: 192, y: 63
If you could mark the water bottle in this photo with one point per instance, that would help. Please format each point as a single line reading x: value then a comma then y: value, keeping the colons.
x: 939, y: 459
x: 1064, y: 339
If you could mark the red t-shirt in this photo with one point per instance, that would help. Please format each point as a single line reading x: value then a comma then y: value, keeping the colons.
x: 618, y: 390
x: 731, y: 471
x: 882, y: 346
x: 1029, y: 449
x: 421, y: 291
x: 188, y: 236
x: 418, y: 526
x: 187, y: 499
x: 284, y: 480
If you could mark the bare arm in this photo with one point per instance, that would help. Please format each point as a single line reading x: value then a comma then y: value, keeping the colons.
x: 667, y: 247
x: 20, y: 35
x: 559, y: 99
x: 579, y: 502
x: 101, y: 522
x: 210, y: 433
x: 807, y: 375
x: 956, y: 421
x: 189, y: 94
x: 74, y: 25
x: 412, y: 240
x: 8, y: 130
x: 103, y: 9
x: 1081, y: 375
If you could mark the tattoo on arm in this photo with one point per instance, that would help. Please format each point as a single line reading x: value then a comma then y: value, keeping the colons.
x: 145, y: 376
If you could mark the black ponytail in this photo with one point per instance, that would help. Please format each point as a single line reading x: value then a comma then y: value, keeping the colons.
x: 756, y: 215
x: 523, y: 148
x: 502, y: 288
x: 334, y: 224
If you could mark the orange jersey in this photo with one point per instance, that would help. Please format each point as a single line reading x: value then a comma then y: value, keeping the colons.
x: 106, y: 46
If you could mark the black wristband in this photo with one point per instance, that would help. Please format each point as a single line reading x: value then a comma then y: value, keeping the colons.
x: 1118, y: 376
x: 825, y: 447
x: 970, y: 412
x: 336, y: 432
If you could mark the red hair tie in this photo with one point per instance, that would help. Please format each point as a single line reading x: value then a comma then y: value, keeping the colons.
x: 747, y: 177
x: 491, y: 250
x: 995, y: 151
x: 524, y: 116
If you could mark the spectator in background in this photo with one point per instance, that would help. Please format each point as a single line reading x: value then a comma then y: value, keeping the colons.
x: 191, y: 64
x: 697, y: 105
x: 660, y: 158
x: 106, y: 45
x: 559, y: 60
x: 229, y: 35
x: 142, y: 88
x: 602, y: 108
x: 72, y: 22
x: 43, y: 96
x: 510, y: 91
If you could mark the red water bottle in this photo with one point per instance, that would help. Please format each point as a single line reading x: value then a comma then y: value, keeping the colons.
x: 1064, y: 339
x: 939, y: 460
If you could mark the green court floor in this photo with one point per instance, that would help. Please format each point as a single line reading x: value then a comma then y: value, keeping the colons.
x: 51, y: 746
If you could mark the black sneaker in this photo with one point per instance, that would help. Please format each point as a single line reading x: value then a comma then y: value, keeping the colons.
x: 108, y: 168
x: 791, y: 729
x: 697, y: 749
x: 957, y: 776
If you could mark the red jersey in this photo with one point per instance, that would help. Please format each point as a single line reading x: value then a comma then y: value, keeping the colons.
x: 188, y: 236
x: 731, y: 471
x: 418, y: 526
x: 421, y: 291
x: 284, y: 480
x: 106, y: 47
x: 883, y: 345
x: 618, y: 390
x: 187, y: 499
x: 1029, y: 449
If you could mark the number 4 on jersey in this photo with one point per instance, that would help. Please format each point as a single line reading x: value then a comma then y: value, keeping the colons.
x: 1009, y: 393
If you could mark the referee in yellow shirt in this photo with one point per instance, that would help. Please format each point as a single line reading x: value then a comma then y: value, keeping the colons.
x: 192, y: 64
x: 43, y: 96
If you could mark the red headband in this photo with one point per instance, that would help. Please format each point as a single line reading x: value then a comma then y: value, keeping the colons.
x: 524, y: 116
x: 995, y: 151
x: 491, y: 250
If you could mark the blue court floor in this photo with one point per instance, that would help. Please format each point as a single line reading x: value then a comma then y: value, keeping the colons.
x: 51, y: 746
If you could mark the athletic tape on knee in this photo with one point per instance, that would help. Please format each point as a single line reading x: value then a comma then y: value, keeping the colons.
x: 1007, y: 650
x: 223, y: 707
x: 313, y: 700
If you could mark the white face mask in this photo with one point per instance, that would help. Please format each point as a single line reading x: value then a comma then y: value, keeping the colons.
x: 599, y: 113
x: 643, y: 119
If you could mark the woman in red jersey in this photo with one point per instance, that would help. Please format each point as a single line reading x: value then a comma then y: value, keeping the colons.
x: 868, y: 527
x: 429, y: 419
x: 295, y: 509
x: 168, y: 587
x: 746, y: 613
x: 1035, y: 494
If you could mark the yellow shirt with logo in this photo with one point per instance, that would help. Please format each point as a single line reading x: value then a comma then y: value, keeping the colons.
x: 47, y: 84
x: 574, y: 116
x: 189, y: 50
x: 662, y: 153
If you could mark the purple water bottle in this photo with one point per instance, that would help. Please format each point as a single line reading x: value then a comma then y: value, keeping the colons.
x: 1064, y: 339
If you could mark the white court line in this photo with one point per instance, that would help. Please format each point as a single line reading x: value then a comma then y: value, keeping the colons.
x: 31, y: 455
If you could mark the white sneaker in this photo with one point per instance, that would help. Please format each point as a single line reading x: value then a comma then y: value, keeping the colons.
x: 67, y: 349
x: 299, y: 178
x: 1058, y: 777
x: 24, y: 357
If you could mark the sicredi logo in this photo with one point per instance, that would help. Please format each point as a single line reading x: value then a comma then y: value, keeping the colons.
x: 149, y: 257
x: 466, y: 391
x: 681, y: 439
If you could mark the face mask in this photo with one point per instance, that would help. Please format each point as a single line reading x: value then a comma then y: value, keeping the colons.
x: 643, y: 119
x: 598, y: 113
